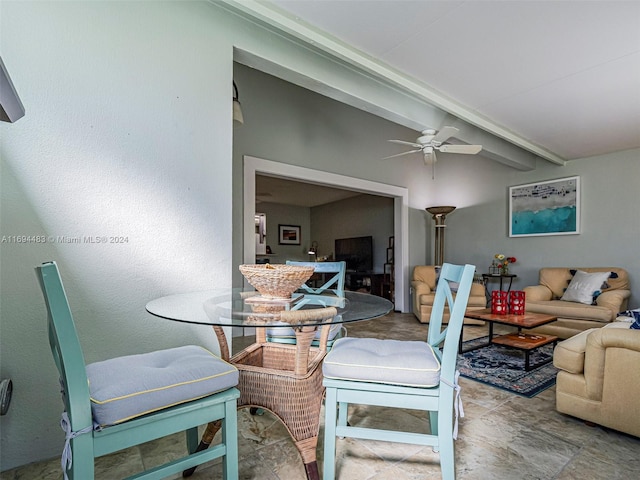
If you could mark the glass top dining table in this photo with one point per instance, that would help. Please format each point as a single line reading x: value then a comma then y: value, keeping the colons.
x: 245, y: 308
x: 285, y: 379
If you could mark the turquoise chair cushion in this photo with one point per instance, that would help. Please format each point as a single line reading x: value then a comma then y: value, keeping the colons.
x: 127, y: 387
x: 393, y: 362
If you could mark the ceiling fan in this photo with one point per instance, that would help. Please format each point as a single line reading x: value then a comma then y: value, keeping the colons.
x: 430, y: 141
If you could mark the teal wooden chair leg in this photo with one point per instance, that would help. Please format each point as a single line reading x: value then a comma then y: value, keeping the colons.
x: 192, y: 439
x: 445, y: 436
x: 447, y: 463
x: 230, y: 467
x: 82, y: 466
x: 330, y: 433
x: 433, y: 423
x: 343, y: 411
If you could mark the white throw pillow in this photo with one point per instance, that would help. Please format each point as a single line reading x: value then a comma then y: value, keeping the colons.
x: 585, y: 287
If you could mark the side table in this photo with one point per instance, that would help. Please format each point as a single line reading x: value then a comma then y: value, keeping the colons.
x: 495, y: 276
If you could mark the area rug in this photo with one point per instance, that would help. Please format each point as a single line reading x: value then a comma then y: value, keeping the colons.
x: 503, y: 368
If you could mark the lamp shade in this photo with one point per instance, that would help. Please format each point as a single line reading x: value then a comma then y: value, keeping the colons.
x: 439, y: 216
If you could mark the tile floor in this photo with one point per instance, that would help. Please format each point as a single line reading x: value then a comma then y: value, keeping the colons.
x: 503, y: 436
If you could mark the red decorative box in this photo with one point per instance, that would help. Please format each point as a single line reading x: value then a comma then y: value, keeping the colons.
x: 499, y: 302
x: 516, y: 302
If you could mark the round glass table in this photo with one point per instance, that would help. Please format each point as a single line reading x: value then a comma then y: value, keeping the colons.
x: 285, y: 379
x: 232, y: 308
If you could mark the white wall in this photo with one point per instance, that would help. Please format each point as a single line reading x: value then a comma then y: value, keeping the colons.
x: 287, y: 215
x: 127, y: 134
x: 360, y: 216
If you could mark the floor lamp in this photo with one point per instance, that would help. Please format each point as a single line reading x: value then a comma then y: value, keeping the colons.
x: 439, y: 216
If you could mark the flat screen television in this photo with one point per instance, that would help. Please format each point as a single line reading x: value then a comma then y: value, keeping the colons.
x: 357, y: 252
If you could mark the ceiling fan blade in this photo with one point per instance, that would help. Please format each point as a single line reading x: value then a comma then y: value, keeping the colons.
x: 402, y: 142
x: 401, y: 154
x: 467, y: 149
x: 444, y: 134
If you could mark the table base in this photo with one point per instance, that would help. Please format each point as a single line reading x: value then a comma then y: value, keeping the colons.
x: 527, y: 343
x: 518, y: 340
x: 268, y: 380
x: 281, y: 378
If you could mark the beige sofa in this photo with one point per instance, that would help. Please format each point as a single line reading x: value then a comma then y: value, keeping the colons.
x: 574, y: 317
x: 599, y: 378
x: 423, y: 291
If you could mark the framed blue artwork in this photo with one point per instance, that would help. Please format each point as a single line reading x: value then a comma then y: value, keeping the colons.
x: 545, y: 208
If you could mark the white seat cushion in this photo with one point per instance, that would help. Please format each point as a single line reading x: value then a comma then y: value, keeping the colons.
x: 127, y: 387
x: 394, y: 362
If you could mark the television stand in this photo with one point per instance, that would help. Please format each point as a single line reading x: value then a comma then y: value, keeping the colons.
x: 367, y: 282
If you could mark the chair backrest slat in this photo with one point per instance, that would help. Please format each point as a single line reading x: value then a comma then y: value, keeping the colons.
x: 65, y: 347
x: 336, y: 282
x: 462, y: 277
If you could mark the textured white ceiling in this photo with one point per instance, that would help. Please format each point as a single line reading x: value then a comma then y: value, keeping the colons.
x: 562, y: 74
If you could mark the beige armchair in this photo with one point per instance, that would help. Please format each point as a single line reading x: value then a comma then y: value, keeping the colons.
x: 423, y: 292
x: 575, y: 317
x: 598, y: 379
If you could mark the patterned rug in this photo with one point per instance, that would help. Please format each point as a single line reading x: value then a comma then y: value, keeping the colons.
x: 503, y: 368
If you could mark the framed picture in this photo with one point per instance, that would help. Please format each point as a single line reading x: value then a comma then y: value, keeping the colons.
x: 289, y: 234
x: 545, y: 208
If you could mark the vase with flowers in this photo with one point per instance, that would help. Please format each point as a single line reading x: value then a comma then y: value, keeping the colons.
x: 502, y: 263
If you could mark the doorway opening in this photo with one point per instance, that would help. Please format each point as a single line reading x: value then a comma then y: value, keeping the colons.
x: 254, y: 165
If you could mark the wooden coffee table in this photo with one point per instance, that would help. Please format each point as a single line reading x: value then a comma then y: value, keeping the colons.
x: 517, y: 340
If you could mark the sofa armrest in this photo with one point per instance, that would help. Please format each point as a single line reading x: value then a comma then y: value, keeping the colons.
x: 477, y: 290
x: 615, y: 338
x: 596, y: 354
x: 614, y: 300
x: 569, y: 354
x: 417, y: 289
x: 537, y: 293
x: 420, y: 288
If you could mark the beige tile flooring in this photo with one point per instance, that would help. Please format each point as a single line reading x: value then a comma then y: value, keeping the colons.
x: 503, y: 436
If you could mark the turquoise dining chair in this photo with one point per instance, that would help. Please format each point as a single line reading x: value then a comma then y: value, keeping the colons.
x: 402, y: 374
x: 329, y: 294
x: 121, y: 402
